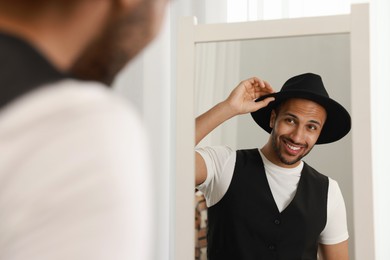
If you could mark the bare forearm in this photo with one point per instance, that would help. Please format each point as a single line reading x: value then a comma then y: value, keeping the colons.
x: 240, y: 101
x: 334, y: 252
x: 211, y: 119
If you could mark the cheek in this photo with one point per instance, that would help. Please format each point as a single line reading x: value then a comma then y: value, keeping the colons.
x: 312, y: 138
x: 282, y: 128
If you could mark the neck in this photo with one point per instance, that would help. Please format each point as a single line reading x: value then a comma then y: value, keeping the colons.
x: 271, y: 155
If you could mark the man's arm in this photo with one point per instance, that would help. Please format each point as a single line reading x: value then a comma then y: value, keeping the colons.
x: 240, y: 101
x: 334, y: 252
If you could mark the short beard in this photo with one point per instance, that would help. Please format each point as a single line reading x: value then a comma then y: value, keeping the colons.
x: 279, y: 153
x: 124, y: 36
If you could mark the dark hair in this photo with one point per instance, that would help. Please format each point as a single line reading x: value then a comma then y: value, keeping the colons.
x: 277, y: 106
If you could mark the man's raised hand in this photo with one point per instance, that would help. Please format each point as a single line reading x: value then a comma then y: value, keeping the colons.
x: 242, y: 98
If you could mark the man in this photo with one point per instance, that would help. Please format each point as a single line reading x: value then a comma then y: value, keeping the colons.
x: 74, y: 175
x: 267, y: 203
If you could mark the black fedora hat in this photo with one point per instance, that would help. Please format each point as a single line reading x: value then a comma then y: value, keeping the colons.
x: 308, y: 86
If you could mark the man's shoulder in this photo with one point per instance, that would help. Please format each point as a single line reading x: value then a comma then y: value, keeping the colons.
x: 62, y: 102
x: 245, y: 155
x: 68, y: 117
x: 314, y: 173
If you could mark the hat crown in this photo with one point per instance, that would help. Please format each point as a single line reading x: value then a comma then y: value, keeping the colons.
x: 307, y: 82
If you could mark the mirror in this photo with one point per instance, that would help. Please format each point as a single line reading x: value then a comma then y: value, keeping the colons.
x: 340, y: 42
x: 220, y: 66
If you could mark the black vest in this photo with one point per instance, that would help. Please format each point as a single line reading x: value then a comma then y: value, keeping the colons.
x: 247, y: 225
x: 22, y: 69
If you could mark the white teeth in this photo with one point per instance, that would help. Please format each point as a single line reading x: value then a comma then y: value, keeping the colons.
x: 293, y: 147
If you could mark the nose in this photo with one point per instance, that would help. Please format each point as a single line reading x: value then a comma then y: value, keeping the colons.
x: 298, y: 135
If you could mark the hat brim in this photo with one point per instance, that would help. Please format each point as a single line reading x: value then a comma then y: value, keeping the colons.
x: 338, y: 120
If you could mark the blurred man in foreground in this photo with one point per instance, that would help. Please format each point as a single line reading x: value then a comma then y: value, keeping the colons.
x: 74, y: 176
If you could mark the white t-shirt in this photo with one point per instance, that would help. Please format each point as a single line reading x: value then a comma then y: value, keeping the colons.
x: 74, y: 176
x: 220, y: 162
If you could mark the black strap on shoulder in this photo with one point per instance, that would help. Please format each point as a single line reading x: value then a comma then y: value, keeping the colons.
x: 22, y: 69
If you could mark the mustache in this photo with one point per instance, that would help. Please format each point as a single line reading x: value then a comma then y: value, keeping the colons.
x: 289, y: 140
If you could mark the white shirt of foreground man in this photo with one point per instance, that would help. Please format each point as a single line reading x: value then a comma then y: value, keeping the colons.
x: 68, y: 189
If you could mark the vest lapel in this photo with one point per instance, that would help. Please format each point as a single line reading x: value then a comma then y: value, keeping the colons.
x: 267, y: 192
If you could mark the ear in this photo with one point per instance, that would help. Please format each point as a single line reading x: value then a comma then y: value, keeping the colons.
x: 272, y: 119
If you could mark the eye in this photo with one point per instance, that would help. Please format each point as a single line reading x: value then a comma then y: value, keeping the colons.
x: 312, y: 127
x: 290, y: 121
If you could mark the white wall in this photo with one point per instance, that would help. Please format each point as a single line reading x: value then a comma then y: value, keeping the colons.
x: 148, y: 85
x: 380, y: 82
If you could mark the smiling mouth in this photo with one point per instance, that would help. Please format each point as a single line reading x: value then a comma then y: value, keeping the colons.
x: 291, y: 148
x: 294, y: 148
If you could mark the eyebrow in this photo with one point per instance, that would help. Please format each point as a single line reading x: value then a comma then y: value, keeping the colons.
x: 311, y: 121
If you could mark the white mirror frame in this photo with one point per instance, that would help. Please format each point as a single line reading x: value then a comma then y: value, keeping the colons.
x: 357, y: 25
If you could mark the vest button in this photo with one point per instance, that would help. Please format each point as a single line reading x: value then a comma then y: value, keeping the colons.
x: 277, y: 221
x: 271, y: 247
